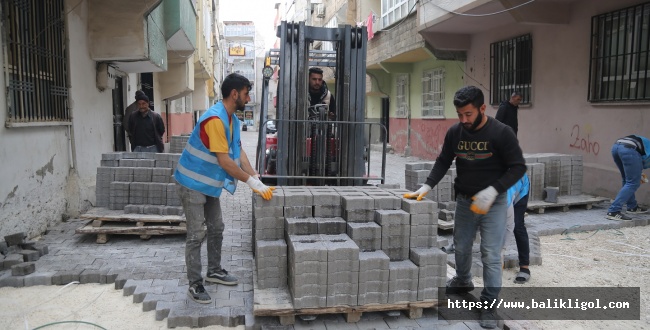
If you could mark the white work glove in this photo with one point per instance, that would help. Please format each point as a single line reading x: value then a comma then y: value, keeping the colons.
x: 644, y: 178
x: 261, y: 189
x: 483, y: 200
x: 420, y: 193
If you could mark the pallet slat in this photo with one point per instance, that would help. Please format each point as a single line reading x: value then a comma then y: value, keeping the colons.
x: 104, y: 214
x: 565, y: 202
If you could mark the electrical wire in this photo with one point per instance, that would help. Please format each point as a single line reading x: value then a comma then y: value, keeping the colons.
x: 469, y: 76
x: 481, y: 15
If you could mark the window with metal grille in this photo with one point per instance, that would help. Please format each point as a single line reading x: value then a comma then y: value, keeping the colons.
x: 433, y: 93
x: 392, y: 11
x: 36, y: 62
x: 511, y: 64
x: 620, y: 48
x: 402, y: 95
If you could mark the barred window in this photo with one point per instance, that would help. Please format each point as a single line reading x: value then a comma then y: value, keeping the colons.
x: 392, y: 11
x: 36, y: 63
x: 620, y: 47
x: 511, y: 69
x: 402, y: 95
x: 433, y: 93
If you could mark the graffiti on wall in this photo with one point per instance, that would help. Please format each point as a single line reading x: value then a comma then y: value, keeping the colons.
x: 581, y: 139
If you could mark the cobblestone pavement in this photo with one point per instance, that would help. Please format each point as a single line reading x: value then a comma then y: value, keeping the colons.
x: 153, y: 271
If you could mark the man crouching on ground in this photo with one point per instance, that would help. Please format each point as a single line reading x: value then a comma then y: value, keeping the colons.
x: 488, y: 162
x: 212, y: 161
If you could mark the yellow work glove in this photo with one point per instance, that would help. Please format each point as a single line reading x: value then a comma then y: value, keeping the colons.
x: 259, y: 188
x: 483, y: 200
x: 420, y: 193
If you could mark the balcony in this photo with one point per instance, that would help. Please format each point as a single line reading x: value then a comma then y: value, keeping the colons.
x: 137, y: 35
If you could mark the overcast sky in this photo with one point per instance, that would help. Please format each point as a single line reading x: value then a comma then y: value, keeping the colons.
x: 262, y: 12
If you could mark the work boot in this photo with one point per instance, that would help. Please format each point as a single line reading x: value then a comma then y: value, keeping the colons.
x: 637, y: 210
x: 456, y: 286
x: 488, y: 318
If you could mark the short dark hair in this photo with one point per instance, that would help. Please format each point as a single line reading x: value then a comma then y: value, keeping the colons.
x: 467, y: 95
x: 316, y: 70
x: 515, y: 93
x: 234, y: 81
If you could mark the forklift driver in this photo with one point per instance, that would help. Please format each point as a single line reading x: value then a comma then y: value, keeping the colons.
x: 319, y: 93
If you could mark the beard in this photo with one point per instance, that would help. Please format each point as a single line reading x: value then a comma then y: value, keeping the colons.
x: 474, y: 125
x: 241, y: 105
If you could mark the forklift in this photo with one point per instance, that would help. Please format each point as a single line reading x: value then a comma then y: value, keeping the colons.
x: 311, y: 147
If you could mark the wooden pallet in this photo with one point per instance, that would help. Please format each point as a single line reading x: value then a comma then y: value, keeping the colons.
x: 104, y: 222
x: 277, y: 302
x: 565, y: 202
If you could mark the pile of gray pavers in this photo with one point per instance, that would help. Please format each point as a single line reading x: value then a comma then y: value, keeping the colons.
x: 550, y: 175
x: 20, y: 255
x: 559, y: 174
x: 348, y: 246
x: 138, y: 182
x: 177, y: 143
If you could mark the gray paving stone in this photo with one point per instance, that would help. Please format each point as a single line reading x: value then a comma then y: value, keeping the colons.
x: 38, y: 279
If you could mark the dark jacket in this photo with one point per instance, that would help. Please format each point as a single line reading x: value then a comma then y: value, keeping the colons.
x: 146, y: 131
x: 507, y: 114
x: 323, y: 96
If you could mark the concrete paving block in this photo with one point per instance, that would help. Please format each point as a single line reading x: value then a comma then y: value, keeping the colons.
x: 268, y: 211
x: 413, y: 206
x: 327, y: 211
x: 29, y: 255
x: 298, y: 211
x: 303, y: 198
x: 23, y: 269
x: 172, y: 210
x: 157, y: 194
x: 428, y: 257
x: 326, y: 198
x: 331, y: 226
x: 40, y: 278
x: 357, y: 203
x: 424, y: 219
x: 301, y: 226
x: 360, y: 215
x: 391, y: 217
x: 6, y: 280
x: 446, y: 215
x: 90, y: 276
x: 15, y: 239
x: 12, y: 259
x: 367, y: 235
x: 183, y: 317
x: 142, y: 174
x: 390, y: 202
x: 277, y: 200
x: 388, y: 186
x: 153, y: 209
x: 151, y: 300
x: 133, y: 208
x: 161, y: 175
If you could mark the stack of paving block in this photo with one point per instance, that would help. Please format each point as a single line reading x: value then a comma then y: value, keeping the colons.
x: 345, y: 246
x: 563, y: 171
x: 19, y: 255
x: 416, y: 174
x: 138, y: 182
x: 177, y: 143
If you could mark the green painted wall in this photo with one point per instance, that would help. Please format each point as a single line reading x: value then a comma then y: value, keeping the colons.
x: 157, y: 46
x: 180, y: 15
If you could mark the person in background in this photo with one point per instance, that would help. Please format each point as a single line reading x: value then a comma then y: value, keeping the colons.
x: 146, y: 127
x: 488, y: 162
x: 631, y: 155
x: 507, y: 112
x: 517, y: 204
x: 212, y: 161
x: 127, y: 113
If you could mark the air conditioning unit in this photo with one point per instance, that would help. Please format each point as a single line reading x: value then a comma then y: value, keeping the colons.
x: 320, y: 10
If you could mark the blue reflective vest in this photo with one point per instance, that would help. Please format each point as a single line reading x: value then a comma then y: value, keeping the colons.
x: 198, y: 168
x: 646, y: 147
x: 519, y: 190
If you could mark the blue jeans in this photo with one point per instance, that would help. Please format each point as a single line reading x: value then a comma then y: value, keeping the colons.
x: 630, y: 164
x: 200, y: 209
x: 492, y: 227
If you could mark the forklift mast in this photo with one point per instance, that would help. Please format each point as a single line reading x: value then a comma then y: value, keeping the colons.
x: 294, y: 124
